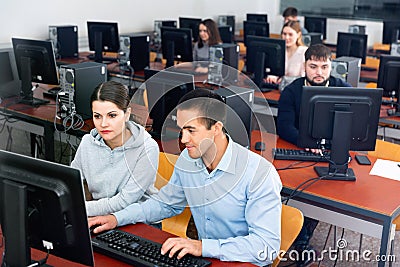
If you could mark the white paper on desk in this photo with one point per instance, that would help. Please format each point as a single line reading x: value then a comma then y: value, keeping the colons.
x: 386, y: 168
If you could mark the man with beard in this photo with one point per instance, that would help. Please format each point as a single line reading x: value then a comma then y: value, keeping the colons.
x: 317, y: 73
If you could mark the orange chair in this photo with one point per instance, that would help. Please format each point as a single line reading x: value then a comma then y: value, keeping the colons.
x: 178, y: 224
x: 291, y: 223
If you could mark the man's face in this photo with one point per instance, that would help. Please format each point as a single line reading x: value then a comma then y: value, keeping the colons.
x: 198, y: 140
x: 317, y: 71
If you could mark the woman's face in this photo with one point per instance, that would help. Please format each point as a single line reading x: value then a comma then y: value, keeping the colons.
x: 203, y: 33
x: 290, y: 36
x: 110, y: 122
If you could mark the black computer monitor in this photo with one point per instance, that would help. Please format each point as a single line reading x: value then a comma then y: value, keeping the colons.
x: 389, y: 77
x: 342, y: 117
x: 265, y: 56
x: 191, y: 23
x: 254, y: 28
x: 176, y: 45
x: 164, y: 89
x: 352, y: 45
x: 315, y: 24
x: 103, y: 37
x: 226, y: 34
x: 10, y: 84
x: 257, y: 17
x: 391, y: 31
x: 42, y: 205
x: 36, y: 63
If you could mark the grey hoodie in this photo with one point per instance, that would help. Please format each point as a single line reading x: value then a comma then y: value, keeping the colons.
x: 119, y: 177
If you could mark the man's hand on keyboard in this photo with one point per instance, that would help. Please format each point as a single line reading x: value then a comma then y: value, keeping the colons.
x: 183, y: 245
x: 314, y: 150
x: 104, y: 223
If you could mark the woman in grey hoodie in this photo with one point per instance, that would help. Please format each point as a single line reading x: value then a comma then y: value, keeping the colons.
x: 118, y: 159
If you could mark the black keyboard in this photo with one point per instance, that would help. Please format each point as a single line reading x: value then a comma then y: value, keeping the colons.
x: 300, y: 155
x: 104, y: 58
x: 139, y: 251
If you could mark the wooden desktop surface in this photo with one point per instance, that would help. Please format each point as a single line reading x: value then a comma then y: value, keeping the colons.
x: 101, y: 260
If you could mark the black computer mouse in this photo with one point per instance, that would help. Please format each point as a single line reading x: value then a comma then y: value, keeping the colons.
x: 259, y: 146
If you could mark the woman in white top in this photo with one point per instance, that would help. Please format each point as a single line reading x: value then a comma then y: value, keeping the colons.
x: 295, y: 49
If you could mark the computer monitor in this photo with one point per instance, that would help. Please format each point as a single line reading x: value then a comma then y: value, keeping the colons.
x: 164, y: 89
x: 391, y: 31
x: 257, y: 17
x: 36, y: 63
x: 389, y: 77
x: 42, y: 206
x: 352, y: 45
x: 315, y: 24
x: 254, y: 28
x: 176, y: 45
x: 191, y: 23
x: 10, y: 84
x: 265, y: 56
x: 344, y: 119
x: 226, y: 34
x: 103, y: 37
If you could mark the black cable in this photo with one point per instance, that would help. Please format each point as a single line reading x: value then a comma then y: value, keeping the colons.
x: 326, y: 242
x: 292, y: 166
x: 337, y: 251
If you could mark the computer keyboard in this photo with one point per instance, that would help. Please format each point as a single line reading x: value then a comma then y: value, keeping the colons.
x: 139, y: 251
x: 300, y: 155
x: 104, y: 58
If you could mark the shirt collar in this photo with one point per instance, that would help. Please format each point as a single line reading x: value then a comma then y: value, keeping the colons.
x: 305, y: 83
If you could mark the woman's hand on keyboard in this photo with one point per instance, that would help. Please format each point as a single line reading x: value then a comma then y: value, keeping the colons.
x: 102, y: 223
x: 183, y: 245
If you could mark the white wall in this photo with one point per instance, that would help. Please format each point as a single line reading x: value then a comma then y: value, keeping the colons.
x: 30, y: 19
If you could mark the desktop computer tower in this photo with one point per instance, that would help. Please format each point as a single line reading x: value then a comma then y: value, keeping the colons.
x: 227, y: 20
x: 239, y: 103
x: 65, y: 41
x: 312, y: 38
x: 227, y: 54
x: 77, y: 83
x: 395, y: 49
x: 157, y: 28
x: 134, y: 51
x: 347, y: 69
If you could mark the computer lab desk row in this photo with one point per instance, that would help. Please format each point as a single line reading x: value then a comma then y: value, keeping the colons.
x: 101, y: 260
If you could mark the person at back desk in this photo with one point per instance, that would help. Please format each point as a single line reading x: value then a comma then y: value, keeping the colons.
x: 208, y: 36
x: 295, y: 49
x: 317, y: 73
x: 233, y: 193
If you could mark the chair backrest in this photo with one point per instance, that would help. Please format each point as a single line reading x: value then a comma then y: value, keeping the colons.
x: 178, y: 224
x: 291, y: 224
x: 386, y: 150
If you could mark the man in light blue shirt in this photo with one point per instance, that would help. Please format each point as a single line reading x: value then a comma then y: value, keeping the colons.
x: 233, y: 193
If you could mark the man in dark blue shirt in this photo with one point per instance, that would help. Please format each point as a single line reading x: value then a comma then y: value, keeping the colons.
x: 317, y: 70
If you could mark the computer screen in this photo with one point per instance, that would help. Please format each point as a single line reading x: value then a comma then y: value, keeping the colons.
x: 164, y: 89
x: 10, y: 84
x: 257, y: 17
x: 391, y: 31
x: 36, y: 63
x: 389, y: 77
x: 41, y: 206
x: 342, y: 119
x: 315, y: 24
x: 103, y: 37
x: 176, y: 45
x: 226, y: 34
x: 352, y: 45
x: 265, y: 56
x: 191, y: 23
x: 255, y: 28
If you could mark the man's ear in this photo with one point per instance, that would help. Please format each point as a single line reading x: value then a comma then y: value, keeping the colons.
x: 219, y: 126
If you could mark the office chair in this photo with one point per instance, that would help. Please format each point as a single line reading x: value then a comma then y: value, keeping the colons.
x: 178, y: 224
x: 389, y: 151
x: 291, y: 223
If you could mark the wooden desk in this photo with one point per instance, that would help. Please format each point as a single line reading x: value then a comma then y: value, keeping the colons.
x: 139, y: 229
x: 367, y: 205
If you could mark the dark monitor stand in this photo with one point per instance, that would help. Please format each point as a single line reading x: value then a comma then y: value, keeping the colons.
x: 343, y: 117
x: 26, y: 85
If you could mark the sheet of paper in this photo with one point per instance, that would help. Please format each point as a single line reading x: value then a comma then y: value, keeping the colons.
x: 386, y: 168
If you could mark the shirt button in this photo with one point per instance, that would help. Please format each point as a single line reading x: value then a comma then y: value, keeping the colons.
x: 208, y: 219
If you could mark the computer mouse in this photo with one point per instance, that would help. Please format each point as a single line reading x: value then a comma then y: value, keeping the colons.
x: 259, y: 146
